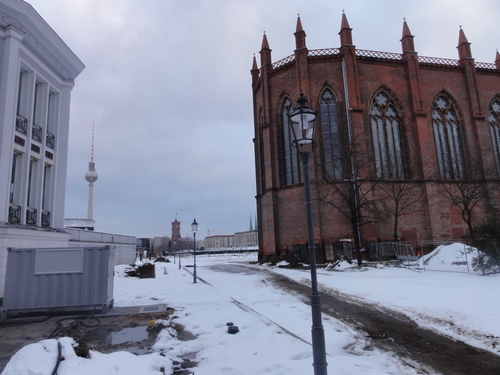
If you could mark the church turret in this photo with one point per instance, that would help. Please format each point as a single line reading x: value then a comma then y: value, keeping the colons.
x: 407, y: 39
x: 464, y: 51
x: 345, y: 31
x: 265, y: 52
x: 349, y: 65
x: 413, y: 70
x: 497, y: 60
x: 300, y: 35
x: 254, y: 71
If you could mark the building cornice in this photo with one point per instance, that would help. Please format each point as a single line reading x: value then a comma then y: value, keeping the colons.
x: 40, y: 38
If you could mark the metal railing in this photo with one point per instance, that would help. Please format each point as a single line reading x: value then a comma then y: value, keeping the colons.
x: 383, y: 56
x: 14, y: 214
x: 50, y: 140
x: 483, y: 65
x: 324, y: 52
x: 45, y: 219
x: 36, y: 132
x: 21, y: 124
x: 378, y: 54
x: 282, y: 62
x: 31, y: 216
x: 437, y: 61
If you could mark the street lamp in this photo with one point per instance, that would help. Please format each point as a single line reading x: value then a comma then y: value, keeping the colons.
x: 179, y: 251
x: 194, y: 229
x: 303, y: 124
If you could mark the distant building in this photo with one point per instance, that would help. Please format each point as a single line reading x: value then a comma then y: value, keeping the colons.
x: 387, y: 124
x: 162, y: 245
x: 143, y: 245
x: 84, y: 224
x: 246, y: 239
x: 37, y: 75
x: 219, y: 241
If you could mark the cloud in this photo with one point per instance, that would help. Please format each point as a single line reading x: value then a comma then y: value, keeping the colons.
x: 168, y: 86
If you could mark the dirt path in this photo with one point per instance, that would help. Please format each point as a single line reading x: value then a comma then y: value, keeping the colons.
x: 395, y: 332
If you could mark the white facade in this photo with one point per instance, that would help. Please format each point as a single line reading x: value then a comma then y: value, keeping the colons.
x: 37, y: 72
x: 217, y: 242
x: 246, y: 239
x: 124, y: 246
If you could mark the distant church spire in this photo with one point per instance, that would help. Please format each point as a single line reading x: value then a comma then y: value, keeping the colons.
x: 251, y: 226
x: 91, y: 177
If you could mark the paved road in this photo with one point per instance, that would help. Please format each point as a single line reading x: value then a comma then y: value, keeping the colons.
x: 389, y: 330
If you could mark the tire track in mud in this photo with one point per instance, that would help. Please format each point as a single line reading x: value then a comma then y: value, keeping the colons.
x: 390, y: 330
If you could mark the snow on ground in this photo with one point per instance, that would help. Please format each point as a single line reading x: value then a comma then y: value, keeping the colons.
x: 274, y: 327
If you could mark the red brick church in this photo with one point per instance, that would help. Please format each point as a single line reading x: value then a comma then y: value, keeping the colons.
x: 407, y: 147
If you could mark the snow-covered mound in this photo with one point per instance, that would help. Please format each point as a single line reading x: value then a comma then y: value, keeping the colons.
x: 456, y: 257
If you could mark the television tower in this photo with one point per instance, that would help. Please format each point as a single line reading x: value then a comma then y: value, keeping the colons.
x: 91, y: 177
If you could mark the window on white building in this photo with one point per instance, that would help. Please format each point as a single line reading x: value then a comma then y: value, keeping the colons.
x: 21, y: 121
x: 51, y: 119
x: 14, y: 177
x: 47, y: 175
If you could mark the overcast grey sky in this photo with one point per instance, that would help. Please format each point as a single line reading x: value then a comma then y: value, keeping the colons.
x: 167, y: 84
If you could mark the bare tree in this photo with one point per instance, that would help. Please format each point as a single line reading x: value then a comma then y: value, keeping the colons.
x: 466, y: 194
x: 400, y: 198
x: 355, y: 200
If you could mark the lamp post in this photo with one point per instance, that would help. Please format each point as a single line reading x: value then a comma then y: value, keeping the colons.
x: 179, y: 251
x: 303, y: 124
x: 194, y: 229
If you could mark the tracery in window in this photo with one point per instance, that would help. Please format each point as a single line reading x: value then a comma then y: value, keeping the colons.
x: 448, y: 140
x: 290, y: 154
x: 331, y: 136
x: 385, y: 123
x: 494, y: 121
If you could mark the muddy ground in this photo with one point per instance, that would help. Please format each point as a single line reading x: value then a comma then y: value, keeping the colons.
x: 392, y: 331
x: 103, y: 333
x: 386, y: 329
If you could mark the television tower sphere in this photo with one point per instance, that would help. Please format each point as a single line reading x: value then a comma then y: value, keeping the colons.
x: 91, y: 175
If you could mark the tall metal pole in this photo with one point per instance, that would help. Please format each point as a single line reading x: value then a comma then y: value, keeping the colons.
x: 194, y: 273
x: 317, y: 331
x: 179, y: 255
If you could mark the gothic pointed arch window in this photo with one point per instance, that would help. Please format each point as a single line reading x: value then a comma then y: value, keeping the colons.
x: 494, y: 121
x: 386, y: 133
x: 331, y: 136
x: 448, y: 138
x: 290, y: 154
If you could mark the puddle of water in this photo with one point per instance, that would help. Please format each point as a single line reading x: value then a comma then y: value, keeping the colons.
x: 136, y: 350
x: 189, y: 355
x: 135, y: 334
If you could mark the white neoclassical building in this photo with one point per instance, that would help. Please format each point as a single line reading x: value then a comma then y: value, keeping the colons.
x: 37, y: 73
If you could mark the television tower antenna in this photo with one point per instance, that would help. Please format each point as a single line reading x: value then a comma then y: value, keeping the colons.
x: 91, y: 176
